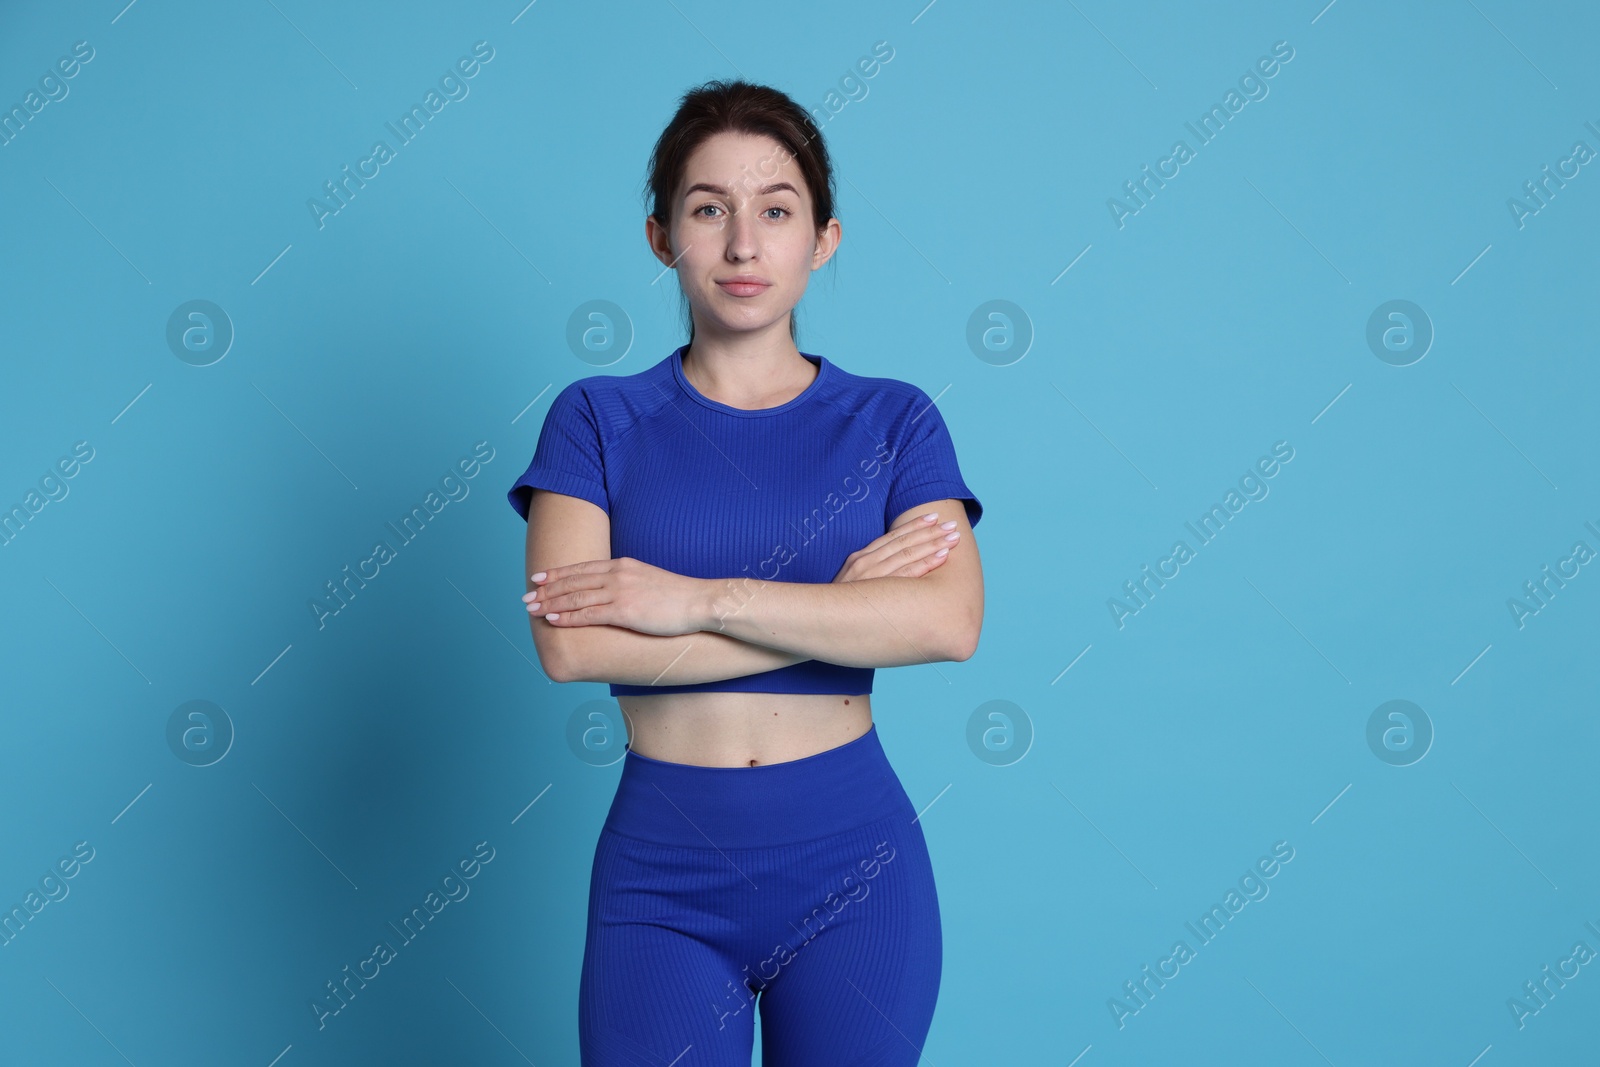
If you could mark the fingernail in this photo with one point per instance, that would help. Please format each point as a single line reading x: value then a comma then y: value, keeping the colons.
x: 942, y: 552
x: 952, y: 536
x: 534, y: 606
x: 930, y: 516
x: 951, y: 525
x: 553, y: 615
x: 540, y: 576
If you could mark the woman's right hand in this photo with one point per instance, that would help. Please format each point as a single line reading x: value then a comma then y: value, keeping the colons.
x: 909, y: 550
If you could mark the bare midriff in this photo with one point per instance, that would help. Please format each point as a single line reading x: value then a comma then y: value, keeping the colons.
x: 742, y: 729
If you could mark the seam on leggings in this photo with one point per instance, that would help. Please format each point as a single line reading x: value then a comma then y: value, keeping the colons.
x: 874, y: 1055
x: 757, y: 848
x: 615, y: 1040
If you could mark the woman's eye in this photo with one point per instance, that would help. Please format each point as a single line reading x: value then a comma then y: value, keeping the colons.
x: 700, y: 211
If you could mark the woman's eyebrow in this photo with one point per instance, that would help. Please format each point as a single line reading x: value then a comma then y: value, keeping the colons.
x: 720, y: 191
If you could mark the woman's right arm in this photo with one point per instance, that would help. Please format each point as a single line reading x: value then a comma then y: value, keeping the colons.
x: 565, y: 529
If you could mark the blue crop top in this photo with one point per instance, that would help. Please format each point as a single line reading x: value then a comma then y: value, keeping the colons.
x: 707, y: 490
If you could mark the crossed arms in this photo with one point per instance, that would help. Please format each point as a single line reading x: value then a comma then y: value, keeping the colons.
x: 640, y: 625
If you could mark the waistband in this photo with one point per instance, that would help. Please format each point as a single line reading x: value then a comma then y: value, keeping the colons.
x: 687, y: 806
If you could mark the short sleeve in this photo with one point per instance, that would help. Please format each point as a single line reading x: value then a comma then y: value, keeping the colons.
x: 568, y: 458
x: 923, y: 467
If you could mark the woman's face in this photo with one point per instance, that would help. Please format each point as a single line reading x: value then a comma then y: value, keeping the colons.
x: 742, y: 210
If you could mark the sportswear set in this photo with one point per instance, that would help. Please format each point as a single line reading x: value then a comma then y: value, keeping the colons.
x: 801, y: 889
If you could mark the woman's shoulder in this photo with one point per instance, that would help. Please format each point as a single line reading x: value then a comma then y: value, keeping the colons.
x: 615, y: 403
x: 882, y: 387
x: 640, y: 382
x: 890, y: 406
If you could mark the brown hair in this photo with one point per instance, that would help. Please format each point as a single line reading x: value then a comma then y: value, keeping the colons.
x: 740, y: 107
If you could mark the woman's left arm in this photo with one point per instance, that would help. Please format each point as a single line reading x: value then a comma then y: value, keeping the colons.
x: 874, y: 622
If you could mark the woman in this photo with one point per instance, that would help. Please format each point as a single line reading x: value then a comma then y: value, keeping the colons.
x: 733, y: 539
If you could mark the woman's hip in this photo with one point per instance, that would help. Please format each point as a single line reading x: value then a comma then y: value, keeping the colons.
x: 822, y: 796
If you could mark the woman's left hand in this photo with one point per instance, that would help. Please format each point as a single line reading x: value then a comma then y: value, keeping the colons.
x: 619, y: 592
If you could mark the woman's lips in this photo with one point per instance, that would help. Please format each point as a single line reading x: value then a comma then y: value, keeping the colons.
x: 744, y: 288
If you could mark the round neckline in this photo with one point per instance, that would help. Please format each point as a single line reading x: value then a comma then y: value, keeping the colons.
x: 716, y: 405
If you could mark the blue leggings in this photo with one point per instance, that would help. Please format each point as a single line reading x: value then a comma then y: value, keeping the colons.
x: 800, y: 889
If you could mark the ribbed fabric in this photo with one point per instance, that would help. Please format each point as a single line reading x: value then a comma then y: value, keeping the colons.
x: 780, y: 494
x: 805, y: 882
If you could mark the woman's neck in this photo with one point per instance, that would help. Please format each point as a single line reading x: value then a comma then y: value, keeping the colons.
x: 746, y: 378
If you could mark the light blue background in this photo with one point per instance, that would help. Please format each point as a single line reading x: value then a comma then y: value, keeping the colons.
x: 429, y: 314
